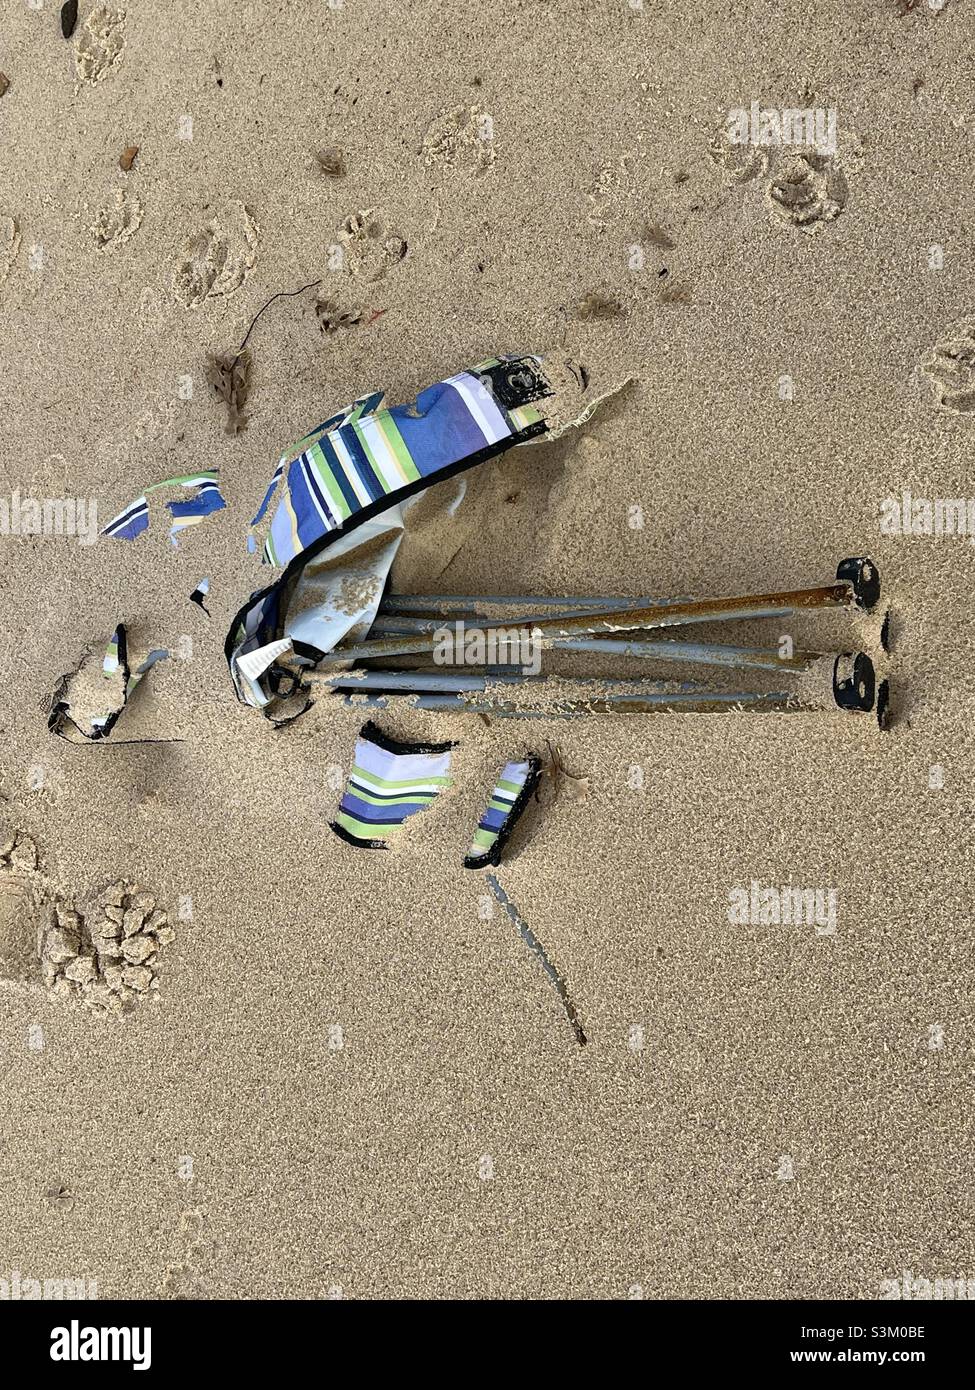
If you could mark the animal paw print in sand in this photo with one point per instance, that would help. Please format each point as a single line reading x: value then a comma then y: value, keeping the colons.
x: 369, y: 247
x: 106, y: 958
x: 802, y: 187
x: 806, y: 189
x: 24, y: 912
x: 218, y: 259
x: 951, y: 366
x: 116, y: 223
x: 99, y: 46
x: 462, y: 137
x: 9, y: 246
x: 186, y: 1279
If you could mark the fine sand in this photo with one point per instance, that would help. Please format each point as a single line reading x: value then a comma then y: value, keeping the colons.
x: 339, y: 1075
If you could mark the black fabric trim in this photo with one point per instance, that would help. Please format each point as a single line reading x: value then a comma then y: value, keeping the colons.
x: 349, y: 839
x: 493, y: 856
x: 374, y: 734
x: 305, y: 650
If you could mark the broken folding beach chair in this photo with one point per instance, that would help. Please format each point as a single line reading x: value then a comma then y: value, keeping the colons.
x: 338, y: 507
x: 415, y: 626
x: 336, y: 512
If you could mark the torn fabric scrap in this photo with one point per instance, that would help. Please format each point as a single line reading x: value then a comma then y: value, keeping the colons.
x: 389, y: 782
x: 207, y: 498
x: 89, y: 700
x: 511, y: 795
x: 200, y: 593
x: 348, y: 487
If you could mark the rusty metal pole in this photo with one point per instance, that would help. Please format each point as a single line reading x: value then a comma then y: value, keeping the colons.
x: 857, y: 585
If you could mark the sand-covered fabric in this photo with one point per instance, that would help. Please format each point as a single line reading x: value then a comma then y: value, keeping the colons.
x: 389, y: 783
x: 508, y: 799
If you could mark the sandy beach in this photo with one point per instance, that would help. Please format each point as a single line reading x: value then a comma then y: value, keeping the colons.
x: 342, y: 1074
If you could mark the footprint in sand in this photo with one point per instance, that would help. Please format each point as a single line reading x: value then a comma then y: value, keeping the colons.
x: 105, y: 955
x: 802, y: 186
x: 461, y: 138
x: 99, y: 46
x: 613, y: 193
x: 25, y: 913
x: 807, y: 189
x: 118, y: 222
x: 951, y: 365
x: 217, y: 260
x: 371, y: 249
x: 186, y: 1279
x: 9, y: 246
x: 739, y: 163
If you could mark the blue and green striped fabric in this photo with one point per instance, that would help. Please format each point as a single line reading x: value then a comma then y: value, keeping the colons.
x: 509, y: 798
x: 364, y: 455
x: 355, y: 467
x: 389, y: 782
x: 207, y: 498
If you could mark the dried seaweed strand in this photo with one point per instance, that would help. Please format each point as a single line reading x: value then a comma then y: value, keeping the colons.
x: 533, y: 944
x: 283, y: 294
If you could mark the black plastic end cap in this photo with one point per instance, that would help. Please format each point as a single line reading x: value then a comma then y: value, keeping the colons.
x: 854, y: 681
x: 862, y: 574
